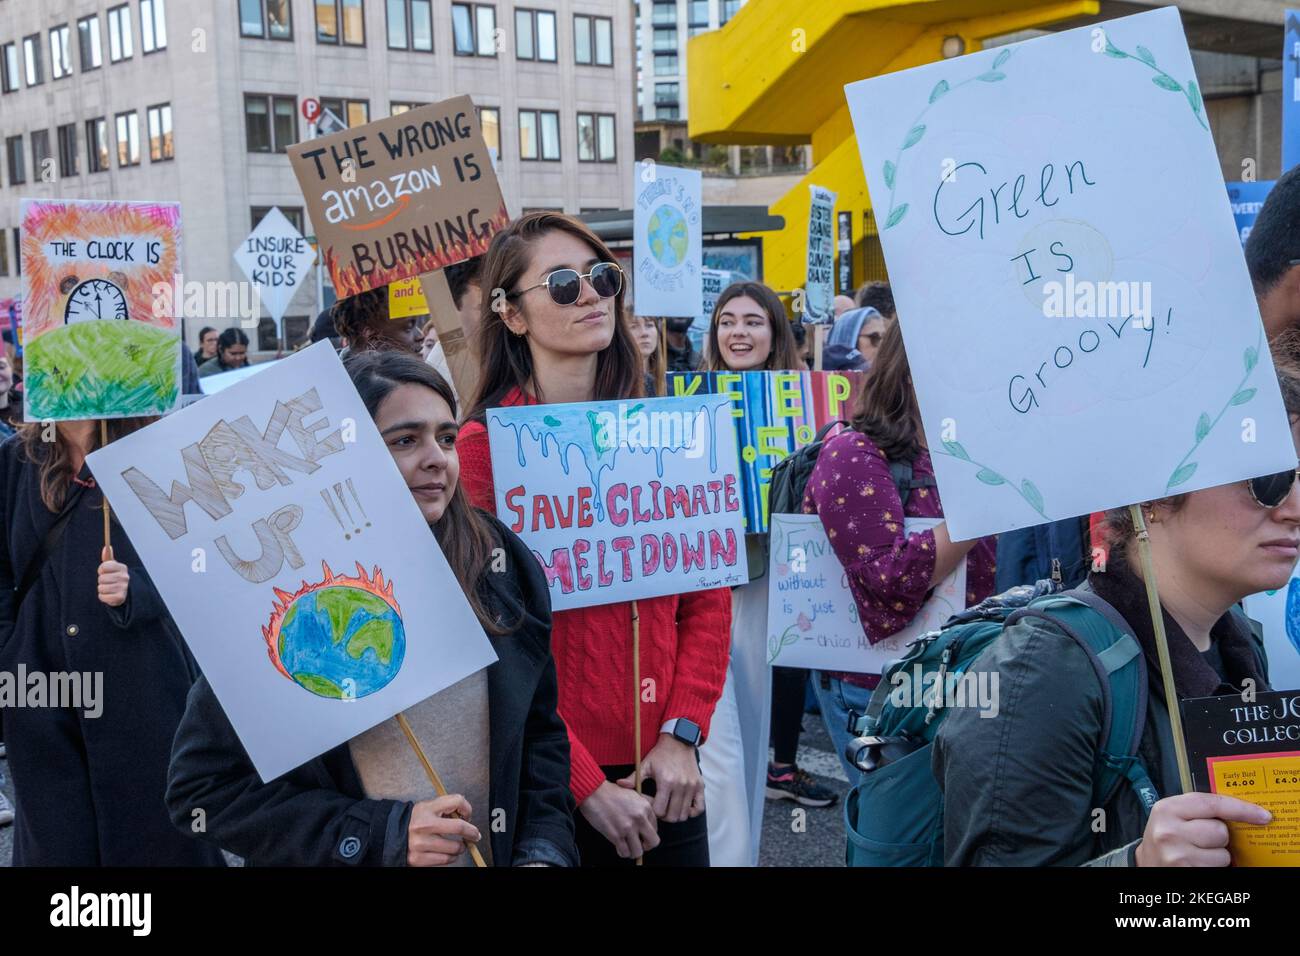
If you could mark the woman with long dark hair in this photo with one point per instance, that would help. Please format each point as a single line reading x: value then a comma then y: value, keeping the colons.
x: 232, y: 353
x: 494, y: 737
x: 552, y: 331
x: 88, y: 772
x: 853, y: 491
x: 749, y: 332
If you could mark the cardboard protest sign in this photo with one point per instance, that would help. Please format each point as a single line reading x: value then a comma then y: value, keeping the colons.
x: 812, y: 619
x: 102, y: 338
x: 667, y: 240
x: 11, y: 310
x: 400, y: 196
x: 1278, y: 612
x: 1080, y: 325
x: 1250, y: 749
x: 622, y: 501
x: 289, y: 550
x: 775, y: 413
x: 276, y: 258
x: 819, y: 281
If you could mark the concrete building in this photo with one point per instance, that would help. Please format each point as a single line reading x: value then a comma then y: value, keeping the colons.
x: 793, y: 94
x: 196, y: 100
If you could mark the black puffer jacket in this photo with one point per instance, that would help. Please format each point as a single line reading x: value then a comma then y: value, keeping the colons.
x: 318, y: 814
x: 1018, y: 787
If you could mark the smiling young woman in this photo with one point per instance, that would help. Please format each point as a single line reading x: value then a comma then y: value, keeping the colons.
x: 749, y: 332
x: 552, y: 331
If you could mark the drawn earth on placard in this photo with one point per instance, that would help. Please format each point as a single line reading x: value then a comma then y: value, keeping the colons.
x: 669, y: 237
x: 1293, y: 613
x: 341, y: 638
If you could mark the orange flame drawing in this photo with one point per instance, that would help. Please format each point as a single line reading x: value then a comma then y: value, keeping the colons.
x: 373, y: 584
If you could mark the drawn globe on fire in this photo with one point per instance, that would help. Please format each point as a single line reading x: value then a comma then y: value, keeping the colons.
x: 341, y: 638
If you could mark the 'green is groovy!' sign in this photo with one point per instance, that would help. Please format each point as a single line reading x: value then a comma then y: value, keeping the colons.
x: 1080, y: 325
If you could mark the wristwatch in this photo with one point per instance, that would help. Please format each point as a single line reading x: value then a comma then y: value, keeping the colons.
x: 687, y: 731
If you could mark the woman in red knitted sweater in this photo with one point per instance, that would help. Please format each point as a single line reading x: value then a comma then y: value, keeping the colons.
x: 550, y: 333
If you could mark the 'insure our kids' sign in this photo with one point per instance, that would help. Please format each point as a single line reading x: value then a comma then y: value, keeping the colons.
x: 400, y: 196
x: 775, y: 413
x: 275, y: 257
x: 622, y: 500
x: 1080, y: 325
x: 288, y: 548
x: 667, y: 240
x: 100, y: 341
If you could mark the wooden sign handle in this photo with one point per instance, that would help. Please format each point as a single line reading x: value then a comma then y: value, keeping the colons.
x: 103, y: 442
x: 433, y: 777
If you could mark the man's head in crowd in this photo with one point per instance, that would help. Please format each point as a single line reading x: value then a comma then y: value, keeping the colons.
x: 362, y: 322
x: 842, y: 304
x: 463, y: 279
x: 1273, y: 256
x: 878, y: 296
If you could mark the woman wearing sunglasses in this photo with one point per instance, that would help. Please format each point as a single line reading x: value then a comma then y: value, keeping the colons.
x: 1018, y: 787
x: 552, y: 332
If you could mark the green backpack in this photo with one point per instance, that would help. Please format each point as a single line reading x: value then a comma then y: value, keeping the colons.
x: 894, y: 817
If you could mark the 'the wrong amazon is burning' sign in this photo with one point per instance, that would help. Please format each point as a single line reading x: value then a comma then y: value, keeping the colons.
x: 400, y: 196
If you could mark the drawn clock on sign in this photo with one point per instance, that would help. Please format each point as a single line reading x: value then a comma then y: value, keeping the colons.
x: 95, y: 299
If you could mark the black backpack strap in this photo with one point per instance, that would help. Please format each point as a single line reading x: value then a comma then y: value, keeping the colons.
x: 901, y: 473
x: 38, y: 561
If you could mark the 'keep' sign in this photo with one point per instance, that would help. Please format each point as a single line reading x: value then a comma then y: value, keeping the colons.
x: 1078, y: 317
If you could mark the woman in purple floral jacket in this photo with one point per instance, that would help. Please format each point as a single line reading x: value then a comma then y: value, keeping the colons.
x: 890, y: 573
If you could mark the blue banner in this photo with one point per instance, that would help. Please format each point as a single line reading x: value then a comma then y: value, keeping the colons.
x: 1247, y: 199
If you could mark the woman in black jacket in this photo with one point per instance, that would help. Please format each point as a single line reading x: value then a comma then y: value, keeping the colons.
x: 494, y: 736
x: 88, y: 774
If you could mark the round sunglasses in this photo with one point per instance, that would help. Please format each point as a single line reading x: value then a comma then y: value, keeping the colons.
x: 565, y: 285
x: 1271, y: 490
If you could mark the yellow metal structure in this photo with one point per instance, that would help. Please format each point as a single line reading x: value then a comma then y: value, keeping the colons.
x: 775, y: 75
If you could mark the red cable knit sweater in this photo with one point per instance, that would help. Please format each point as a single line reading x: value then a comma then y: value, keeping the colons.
x: 685, y: 643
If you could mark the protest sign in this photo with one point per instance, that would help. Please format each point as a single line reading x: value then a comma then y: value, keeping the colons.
x: 220, y: 381
x: 1278, y: 613
x: 1250, y: 749
x: 11, y: 310
x: 812, y: 619
x: 276, y: 258
x: 400, y: 196
x: 774, y: 413
x: 620, y: 500
x: 819, y: 282
x: 406, y: 298
x: 1080, y: 325
x: 288, y: 548
x: 667, y: 240
x: 1247, y: 200
x: 102, y: 339
x: 1291, y: 92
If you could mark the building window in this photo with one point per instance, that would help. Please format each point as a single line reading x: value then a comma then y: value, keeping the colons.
x: 18, y: 251
x: 664, y: 14
x: 68, y: 150
x: 292, y: 213
x: 14, y: 156
x: 153, y: 25
x: 60, y: 52
x: 489, y: 118
x: 4, y: 254
x: 396, y: 109
x: 698, y: 15
x: 119, y: 34
x: 270, y: 122
x: 265, y: 18
x: 539, y: 135
x: 596, y: 138
x: 665, y: 40
x: 32, y: 60
x: 351, y: 112
x: 593, y: 40
x: 474, y: 28
x: 97, y: 145
x: 9, y: 67
x: 128, y: 138
x: 535, y: 35
x: 410, y: 25
x: 729, y: 9
x: 88, y: 43
x: 161, y: 146
x: 665, y: 64
x: 340, y: 19
x: 41, y: 154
